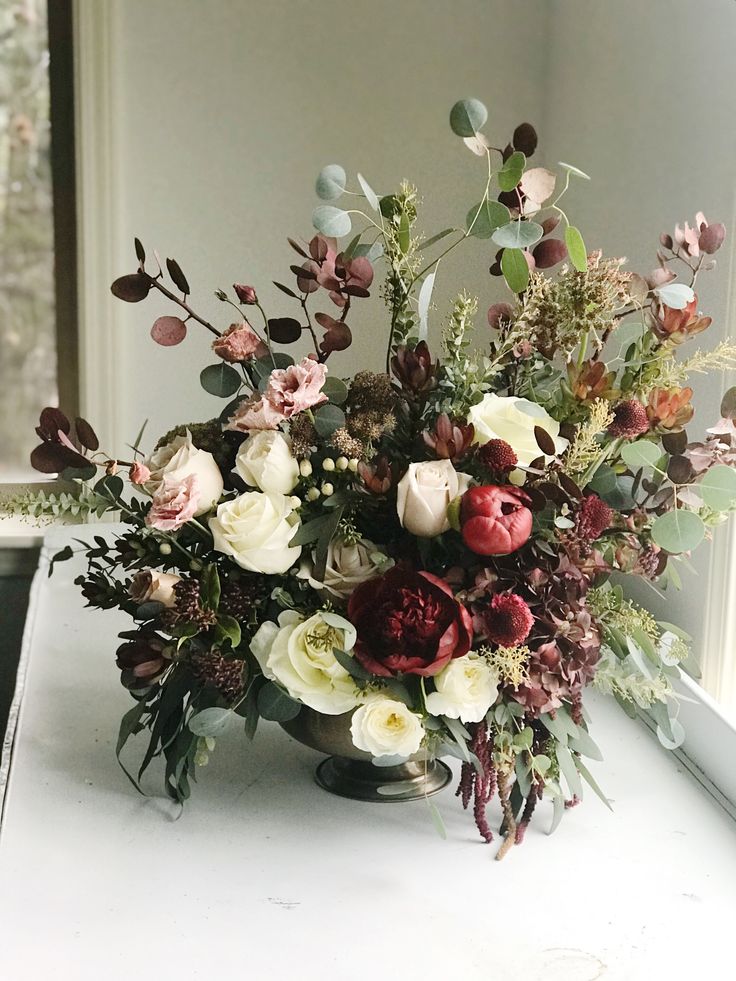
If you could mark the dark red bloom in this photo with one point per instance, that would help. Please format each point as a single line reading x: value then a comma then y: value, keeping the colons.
x: 593, y: 518
x: 497, y: 455
x: 629, y: 419
x: 495, y: 520
x: 448, y: 439
x: 508, y: 621
x: 408, y: 622
x: 143, y: 659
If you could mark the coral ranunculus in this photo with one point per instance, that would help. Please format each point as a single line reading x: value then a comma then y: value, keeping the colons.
x: 495, y: 520
x: 408, y: 622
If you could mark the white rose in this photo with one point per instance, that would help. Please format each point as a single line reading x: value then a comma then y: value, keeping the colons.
x: 299, y: 655
x: 348, y: 565
x: 466, y: 689
x: 384, y: 727
x: 179, y: 459
x: 424, y: 493
x: 255, y: 529
x: 265, y: 461
x: 150, y: 586
x: 513, y: 420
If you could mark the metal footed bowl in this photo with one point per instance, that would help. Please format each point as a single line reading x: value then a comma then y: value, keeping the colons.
x: 349, y: 772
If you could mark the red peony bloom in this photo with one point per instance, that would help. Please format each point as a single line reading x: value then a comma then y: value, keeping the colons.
x: 408, y: 622
x: 495, y: 520
x: 508, y: 621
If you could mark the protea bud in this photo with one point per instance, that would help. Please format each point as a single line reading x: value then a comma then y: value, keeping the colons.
x: 591, y: 380
x: 629, y: 420
x: 377, y: 476
x: 677, y: 325
x: 449, y: 440
x: 670, y: 410
x: 414, y: 368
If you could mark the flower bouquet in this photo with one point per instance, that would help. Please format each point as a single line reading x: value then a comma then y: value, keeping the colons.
x: 423, y: 561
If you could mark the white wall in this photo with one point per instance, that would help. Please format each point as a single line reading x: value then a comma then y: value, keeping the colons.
x: 227, y: 109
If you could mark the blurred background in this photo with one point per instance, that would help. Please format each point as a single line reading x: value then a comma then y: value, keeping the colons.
x: 200, y: 125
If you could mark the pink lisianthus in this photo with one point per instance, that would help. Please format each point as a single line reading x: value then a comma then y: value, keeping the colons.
x: 139, y: 473
x: 296, y: 388
x: 239, y: 343
x: 174, y: 503
x: 255, y: 414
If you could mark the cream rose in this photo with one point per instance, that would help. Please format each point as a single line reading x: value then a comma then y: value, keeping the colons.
x: 150, y: 586
x: 385, y: 727
x: 466, y: 689
x: 348, y: 565
x: 264, y: 461
x: 513, y: 420
x: 298, y: 654
x: 255, y: 529
x: 180, y: 459
x: 424, y: 493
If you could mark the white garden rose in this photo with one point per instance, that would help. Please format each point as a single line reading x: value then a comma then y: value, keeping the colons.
x: 385, y: 727
x: 466, y: 689
x: 265, y: 461
x: 348, y: 565
x: 181, y: 458
x: 151, y: 586
x: 298, y: 654
x: 255, y: 529
x: 424, y: 493
x: 513, y: 420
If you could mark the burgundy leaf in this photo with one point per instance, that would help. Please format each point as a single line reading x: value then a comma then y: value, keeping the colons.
x: 304, y: 272
x: 675, y: 443
x: 500, y: 312
x: 132, y: 289
x: 544, y: 441
x: 666, y: 240
x: 86, y: 435
x: 355, y: 291
x: 306, y: 283
x: 337, y: 338
x: 53, y: 458
x: 285, y: 289
x: 549, y: 224
x: 361, y: 271
x: 51, y: 421
x: 168, y: 331
x: 728, y: 403
x: 140, y: 252
x: 711, y: 238
x: 284, y: 330
x: 318, y: 248
x: 525, y: 139
x: 297, y: 248
x: 569, y: 486
x: 549, y: 252
x: 177, y: 276
x: 680, y: 470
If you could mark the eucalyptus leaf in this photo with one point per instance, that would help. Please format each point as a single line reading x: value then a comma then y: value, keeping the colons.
x: 510, y: 174
x: 678, y: 531
x: 588, y: 777
x: 678, y: 735
x: 327, y: 419
x: 483, y: 219
x: 569, y: 770
x: 210, y: 722
x: 275, y: 705
x: 370, y: 195
x: 584, y: 744
x: 675, y: 295
x: 331, y: 182
x: 576, y: 248
x: 515, y: 270
x: 331, y: 221
x: 558, y: 805
x: 435, y: 238
x: 642, y: 453
x: 335, y: 389
x: 575, y: 171
x: 518, y: 234
x: 467, y: 116
x: 423, y: 302
x: 221, y: 380
x: 718, y: 487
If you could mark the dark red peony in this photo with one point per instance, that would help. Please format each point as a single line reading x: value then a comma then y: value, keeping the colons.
x: 495, y: 520
x: 408, y: 622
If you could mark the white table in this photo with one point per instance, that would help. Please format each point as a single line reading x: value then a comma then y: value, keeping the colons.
x: 267, y: 876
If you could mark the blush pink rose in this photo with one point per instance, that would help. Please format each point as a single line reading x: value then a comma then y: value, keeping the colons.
x: 139, y: 473
x: 174, y: 503
x: 239, y: 343
x: 296, y: 388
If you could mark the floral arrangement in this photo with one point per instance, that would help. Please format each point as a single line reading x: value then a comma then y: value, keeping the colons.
x: 436, y: 548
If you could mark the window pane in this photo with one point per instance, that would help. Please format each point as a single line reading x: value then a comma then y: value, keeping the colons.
x: 27, y: 323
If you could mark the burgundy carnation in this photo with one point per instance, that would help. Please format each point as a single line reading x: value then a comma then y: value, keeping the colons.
x: 497, y: 455
x: 408, y: 622
x: 593, y: 518
x: 629, y: 419
x: 508, y: 621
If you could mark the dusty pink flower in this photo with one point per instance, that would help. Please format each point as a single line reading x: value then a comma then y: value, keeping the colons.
x: 254, y: 414
x: 139, y: 473
x: 239, y: 343
x: 296, y: 388
x: 174, y: 503
x: 246, y: 294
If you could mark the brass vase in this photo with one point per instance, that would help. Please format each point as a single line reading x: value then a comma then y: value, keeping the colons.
x: 349, y: 772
